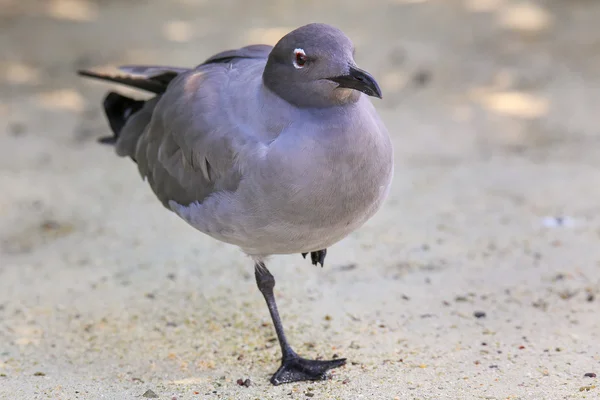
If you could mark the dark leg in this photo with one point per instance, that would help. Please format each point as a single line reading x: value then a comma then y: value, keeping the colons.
x: 293, y: 367
x: 317, y: 257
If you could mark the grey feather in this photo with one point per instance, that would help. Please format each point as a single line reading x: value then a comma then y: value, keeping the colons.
x: 156, y: 72
x: 256, y: 51
x: 255, y: 151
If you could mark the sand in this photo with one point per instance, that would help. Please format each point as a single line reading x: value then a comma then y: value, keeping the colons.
x: 479, y: 279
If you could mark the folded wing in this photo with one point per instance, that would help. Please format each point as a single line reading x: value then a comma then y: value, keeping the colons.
x: 173, y: 137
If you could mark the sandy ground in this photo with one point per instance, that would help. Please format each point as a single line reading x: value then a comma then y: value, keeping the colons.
x: 493, y: 108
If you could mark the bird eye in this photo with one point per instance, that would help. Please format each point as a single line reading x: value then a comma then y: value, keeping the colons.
x: 299, y: 58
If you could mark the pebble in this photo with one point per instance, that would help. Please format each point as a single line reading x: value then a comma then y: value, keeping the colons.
x: 149, y: 394
x: 553, y: 222
x: 243, y: 382
x: 590, y: 298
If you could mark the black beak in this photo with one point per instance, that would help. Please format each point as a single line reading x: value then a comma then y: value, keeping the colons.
x: 360, y: 80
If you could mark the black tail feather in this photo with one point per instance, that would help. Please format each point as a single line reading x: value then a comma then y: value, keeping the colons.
x: 112, y: 140
x: 155, y: 85
x: 118, y: 109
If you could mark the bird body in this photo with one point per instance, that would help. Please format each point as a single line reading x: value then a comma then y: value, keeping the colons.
x: 274, y: 149
x: 307, y: 181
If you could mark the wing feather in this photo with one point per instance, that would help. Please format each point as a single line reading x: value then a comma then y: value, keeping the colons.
x: 189, y: 147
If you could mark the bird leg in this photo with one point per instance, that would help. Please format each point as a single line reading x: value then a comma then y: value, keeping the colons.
x: 293, y: 367
x: 317, y: 257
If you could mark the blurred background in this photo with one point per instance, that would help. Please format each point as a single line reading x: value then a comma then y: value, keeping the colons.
x: 478, y: 279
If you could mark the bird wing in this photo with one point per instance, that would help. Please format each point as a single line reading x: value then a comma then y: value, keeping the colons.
x: 156, y: 78
x: 187, y: 141
x: 256, y: 51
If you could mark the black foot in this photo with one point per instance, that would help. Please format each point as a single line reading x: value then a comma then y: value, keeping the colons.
x: 317, y: 257
x: 300, y: 369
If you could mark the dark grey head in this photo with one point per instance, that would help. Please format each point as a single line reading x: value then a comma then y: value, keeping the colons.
x: 313, y: 66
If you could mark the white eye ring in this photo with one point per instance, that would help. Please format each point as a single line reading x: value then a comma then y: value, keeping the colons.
x: 299, y: 54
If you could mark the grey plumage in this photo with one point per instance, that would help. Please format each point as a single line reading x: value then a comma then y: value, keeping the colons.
x: 272, y: 149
